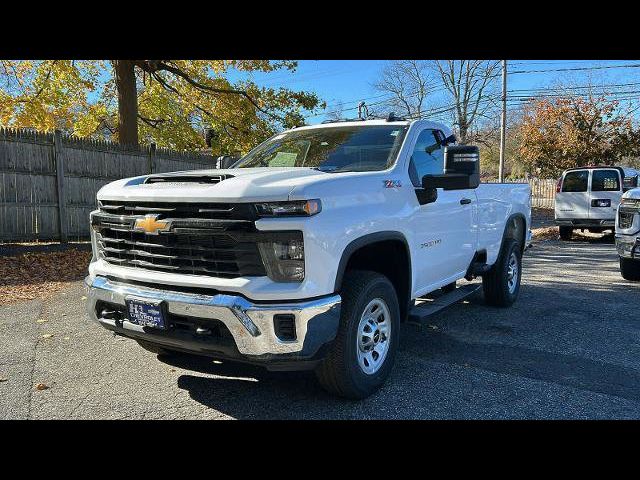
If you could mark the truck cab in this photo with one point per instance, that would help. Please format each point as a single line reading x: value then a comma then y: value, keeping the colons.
x: 309, y: 252
x: 587, y: 198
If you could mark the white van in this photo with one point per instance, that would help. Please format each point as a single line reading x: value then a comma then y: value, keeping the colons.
x: 587, y: 198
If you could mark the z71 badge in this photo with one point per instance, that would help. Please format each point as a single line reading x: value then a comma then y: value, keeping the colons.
x: 392, y: 184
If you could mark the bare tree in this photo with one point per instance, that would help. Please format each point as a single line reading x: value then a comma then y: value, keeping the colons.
x: 469, y: 84
x: 409, y: 82
x: 336, y: 112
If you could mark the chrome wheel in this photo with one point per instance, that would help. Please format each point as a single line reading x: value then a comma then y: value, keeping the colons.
x: 512, y: 273
x: 374, y: 336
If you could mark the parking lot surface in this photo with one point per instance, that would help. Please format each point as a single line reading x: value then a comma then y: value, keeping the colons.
x: 568, y: 348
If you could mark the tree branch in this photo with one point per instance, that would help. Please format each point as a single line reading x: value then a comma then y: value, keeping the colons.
x: 153, y: 66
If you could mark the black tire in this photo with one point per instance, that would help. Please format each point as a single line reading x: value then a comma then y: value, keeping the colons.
x: 158, y: 350
x: 630, y: 269
x: 339, y: 372
x: 449, y: 287
x: 495, y: 283
x: 566, y: 233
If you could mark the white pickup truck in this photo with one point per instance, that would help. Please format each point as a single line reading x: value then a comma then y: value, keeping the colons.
x: 628, y: 234
x: 309, y: 252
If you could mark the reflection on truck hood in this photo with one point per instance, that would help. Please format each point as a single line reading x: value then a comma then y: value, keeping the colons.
x: 633, y: 193
x: 248, y: 184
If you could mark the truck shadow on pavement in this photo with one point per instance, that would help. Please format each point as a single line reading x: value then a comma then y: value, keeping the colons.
x: 567, y: 333
x: 497, y: 345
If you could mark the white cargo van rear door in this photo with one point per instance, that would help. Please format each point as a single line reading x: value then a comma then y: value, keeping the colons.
x: 572, y: 201
x: 606, y: 190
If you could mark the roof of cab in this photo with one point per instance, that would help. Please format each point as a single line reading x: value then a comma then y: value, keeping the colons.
x: 363, y: 123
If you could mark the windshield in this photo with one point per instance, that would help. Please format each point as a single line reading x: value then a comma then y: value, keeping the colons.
x: 331, y: 149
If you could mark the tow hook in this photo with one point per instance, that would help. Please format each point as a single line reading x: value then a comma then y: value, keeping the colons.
x: 112, y: 315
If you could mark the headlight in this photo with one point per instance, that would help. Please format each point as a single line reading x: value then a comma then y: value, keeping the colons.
x: 283, y: 259
x: 630, y: 203
x: 302, y: 208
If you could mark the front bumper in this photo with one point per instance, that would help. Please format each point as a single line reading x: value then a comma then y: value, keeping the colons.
x: 628, y: 246
x: 250, y: 325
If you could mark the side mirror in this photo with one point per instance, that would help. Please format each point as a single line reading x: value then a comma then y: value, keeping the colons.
x: 461, y: 169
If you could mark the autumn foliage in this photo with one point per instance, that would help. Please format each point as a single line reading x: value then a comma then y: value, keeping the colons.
x: 176, y: 100
x: 556, y: 134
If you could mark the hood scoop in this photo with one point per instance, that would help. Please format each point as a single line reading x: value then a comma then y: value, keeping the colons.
x: 187, y: 178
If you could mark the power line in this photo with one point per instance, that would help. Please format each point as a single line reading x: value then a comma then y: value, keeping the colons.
x: 555, y: 62
x: 389, y: 97
x: 581, y: 87
x: 576, y: 69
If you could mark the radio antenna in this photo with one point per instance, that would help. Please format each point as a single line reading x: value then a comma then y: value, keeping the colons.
x: 362, y: 107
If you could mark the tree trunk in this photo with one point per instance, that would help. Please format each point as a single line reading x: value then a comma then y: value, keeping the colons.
x: 464, y: 129
x: 127, y: 103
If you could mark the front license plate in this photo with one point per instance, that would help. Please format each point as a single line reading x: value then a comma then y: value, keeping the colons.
x: 147, y: 313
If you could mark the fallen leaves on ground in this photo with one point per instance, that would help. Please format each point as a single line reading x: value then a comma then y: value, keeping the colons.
x: 41, y: 386
x: 38, y: 275
x: 545, y: 233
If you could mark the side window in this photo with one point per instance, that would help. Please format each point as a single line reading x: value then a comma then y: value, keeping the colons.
x: 427, y: 156
x: 576, y: 181
x: 605, y: 181
x: 631, y: 182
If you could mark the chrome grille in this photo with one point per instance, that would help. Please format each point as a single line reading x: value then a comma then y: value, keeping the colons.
x: 204, y: 239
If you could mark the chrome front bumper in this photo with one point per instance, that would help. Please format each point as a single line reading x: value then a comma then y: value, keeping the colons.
x: 628, y: 246
x: 250, y: 324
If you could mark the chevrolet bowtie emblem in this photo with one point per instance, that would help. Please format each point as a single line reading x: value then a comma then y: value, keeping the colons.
x: 151, y: 226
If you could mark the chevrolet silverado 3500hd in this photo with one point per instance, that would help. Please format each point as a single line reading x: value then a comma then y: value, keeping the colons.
x: 309, y: 252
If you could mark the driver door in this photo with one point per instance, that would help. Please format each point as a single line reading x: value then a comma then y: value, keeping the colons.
x: 444, y: 232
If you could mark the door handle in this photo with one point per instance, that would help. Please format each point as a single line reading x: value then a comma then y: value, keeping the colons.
x: 465, y: 201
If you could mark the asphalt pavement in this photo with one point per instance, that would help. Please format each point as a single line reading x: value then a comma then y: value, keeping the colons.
x: 568, y: 349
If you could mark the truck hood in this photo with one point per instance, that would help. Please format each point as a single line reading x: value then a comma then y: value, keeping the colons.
x: 633, y: 193
x: 247, y: 184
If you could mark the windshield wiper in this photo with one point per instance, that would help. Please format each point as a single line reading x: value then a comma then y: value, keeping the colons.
x: 328, y: 170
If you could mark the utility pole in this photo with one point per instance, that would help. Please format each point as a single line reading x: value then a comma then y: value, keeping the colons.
x: 503, y: 120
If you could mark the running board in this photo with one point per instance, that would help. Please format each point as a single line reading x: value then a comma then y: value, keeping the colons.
x: 420, y: 313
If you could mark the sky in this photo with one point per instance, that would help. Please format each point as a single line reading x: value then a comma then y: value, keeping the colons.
x: 349, y: 81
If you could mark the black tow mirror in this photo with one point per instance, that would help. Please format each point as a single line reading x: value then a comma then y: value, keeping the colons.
x: 448, y: 181
x: 461, y: 169
x: 462, y: 159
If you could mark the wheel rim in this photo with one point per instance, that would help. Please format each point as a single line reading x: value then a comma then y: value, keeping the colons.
x: 512, y: 273
x: 374, y: 336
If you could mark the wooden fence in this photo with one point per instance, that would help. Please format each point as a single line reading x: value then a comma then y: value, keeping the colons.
x: 49, y: 181
x: 38, y: 169
x: 543, y: 190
